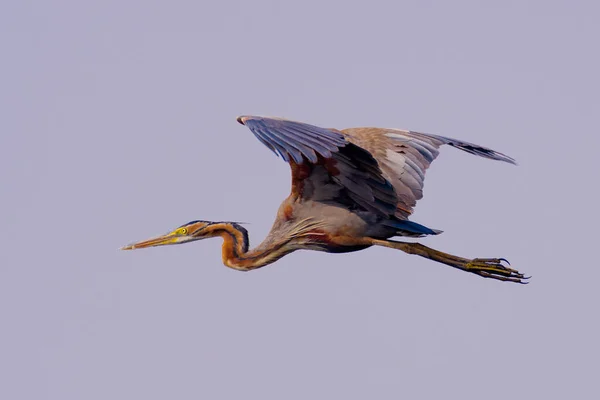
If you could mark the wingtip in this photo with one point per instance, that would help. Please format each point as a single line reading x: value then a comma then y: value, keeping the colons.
x: 242, y: 119
x: 495, y: 155
x: 508, y: 159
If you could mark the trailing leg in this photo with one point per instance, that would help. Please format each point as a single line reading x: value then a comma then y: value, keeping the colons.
x: 485, y: 267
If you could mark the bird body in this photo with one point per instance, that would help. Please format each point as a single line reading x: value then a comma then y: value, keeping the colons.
x: 351, y: 189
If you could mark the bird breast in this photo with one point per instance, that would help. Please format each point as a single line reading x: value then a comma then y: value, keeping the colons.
x: 327, y: 219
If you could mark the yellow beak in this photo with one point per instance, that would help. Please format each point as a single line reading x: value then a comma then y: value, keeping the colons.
x: 157, y: 241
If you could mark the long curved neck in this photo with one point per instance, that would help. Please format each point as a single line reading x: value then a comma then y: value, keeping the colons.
x: 235, y: 247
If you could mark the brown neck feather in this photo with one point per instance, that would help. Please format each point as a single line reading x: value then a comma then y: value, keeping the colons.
x: 235, y: 247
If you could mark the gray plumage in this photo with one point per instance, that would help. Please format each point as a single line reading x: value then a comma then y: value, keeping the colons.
x: 351, y: 189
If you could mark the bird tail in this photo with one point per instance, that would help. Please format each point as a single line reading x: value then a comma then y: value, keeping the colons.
x: 411, y: 229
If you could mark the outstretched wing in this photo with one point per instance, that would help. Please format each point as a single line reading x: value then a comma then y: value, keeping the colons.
x: 294, y: 140
x: 326, y: 167
x: 404, y: 156
x: 372, y: 169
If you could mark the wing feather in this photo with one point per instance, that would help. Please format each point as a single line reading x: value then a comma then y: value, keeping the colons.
x: 377, y: 170
x: 335, y: 170
x: 404, y: 157
x: 291, y: 137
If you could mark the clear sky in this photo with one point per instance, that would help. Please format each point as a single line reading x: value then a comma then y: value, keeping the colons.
x: 118, y: 123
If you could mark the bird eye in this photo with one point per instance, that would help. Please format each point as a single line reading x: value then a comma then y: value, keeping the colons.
x: 182, y: 231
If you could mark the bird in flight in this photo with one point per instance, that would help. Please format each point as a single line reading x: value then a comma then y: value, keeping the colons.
x: 351, y: 189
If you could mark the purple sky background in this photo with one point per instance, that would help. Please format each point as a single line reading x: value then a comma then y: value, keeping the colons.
x: 118, y: 123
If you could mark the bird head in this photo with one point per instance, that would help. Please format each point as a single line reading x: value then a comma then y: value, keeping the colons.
x: 194, y: 230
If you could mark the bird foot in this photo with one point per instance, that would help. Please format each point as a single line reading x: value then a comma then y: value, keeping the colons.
x: 495, y: 269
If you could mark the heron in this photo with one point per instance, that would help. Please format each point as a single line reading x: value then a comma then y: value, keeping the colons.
x: 351, y: 189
